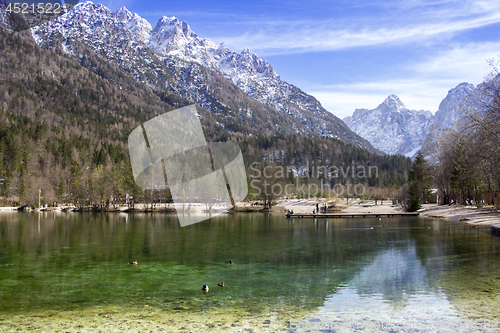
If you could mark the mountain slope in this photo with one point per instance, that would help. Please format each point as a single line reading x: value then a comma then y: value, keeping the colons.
x: 171, y: 56
x: 449, y: 112
x: 253, y: 75
x: 391, y: 127
x: 64, y: 130
x: 394, y: 129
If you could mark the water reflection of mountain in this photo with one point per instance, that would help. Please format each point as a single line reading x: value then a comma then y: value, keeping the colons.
x: 455, y: 260
x: 396, y: 274
x: 469, y: 272
x: 445, y: 279
x: 300, y: 263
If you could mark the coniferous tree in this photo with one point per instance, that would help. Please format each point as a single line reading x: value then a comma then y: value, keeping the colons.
x: 419, y: 179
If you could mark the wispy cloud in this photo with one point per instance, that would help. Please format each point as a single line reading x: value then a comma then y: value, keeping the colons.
x: 429, y: 82
x: 462, y: 62
x: 268, y: 36
x: 416, y: 94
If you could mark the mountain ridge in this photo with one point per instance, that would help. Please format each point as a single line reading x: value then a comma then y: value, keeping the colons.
x: 64, y: 130
x: 170, y: 58
x: 394, y: 129
x: 391, y: 127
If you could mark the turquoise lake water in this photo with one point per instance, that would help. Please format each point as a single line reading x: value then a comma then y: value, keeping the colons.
x: 410, y: 275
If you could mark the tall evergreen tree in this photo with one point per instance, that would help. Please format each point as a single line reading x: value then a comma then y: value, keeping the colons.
x: 419, y: 183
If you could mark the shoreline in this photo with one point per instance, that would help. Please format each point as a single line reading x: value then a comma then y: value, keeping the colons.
x: 150, y: 318
x: 455, y: 213
x: 142, y: 313
x: 465, y: 214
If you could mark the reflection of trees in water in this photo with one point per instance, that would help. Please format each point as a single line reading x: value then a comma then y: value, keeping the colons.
x: 471, y: 270
x: 276, y: 261
x: 450, y: 258
x: 300, y: 261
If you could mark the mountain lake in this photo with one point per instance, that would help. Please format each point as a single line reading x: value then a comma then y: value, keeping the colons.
x: 72, y: 272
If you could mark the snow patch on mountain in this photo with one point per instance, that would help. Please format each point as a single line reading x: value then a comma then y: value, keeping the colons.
x: 391, y: 127
x: 173, y: 56
x: 253, y: 75
x: 136, y: 24
x: 4, y: 19
x: 394, y: 129
x: 449, y: 112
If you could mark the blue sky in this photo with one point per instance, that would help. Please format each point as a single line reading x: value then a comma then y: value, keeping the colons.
x: 352, y: 54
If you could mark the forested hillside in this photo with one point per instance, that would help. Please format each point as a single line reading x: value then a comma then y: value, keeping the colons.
x: 64, y: 130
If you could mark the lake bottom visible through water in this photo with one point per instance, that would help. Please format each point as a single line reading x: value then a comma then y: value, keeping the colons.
x: 70, y: 272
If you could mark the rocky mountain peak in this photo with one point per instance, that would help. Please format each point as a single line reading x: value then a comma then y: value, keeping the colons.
x: 186, y: 30
x: 178, y: 53
x: 124, y: 14
x: 88, y: 6
x: 449, y: 108
x: 166, y: 20
x: 393, y: 102
x: 173, y: 37
x: 458, y: 93
x: 180, y: 29
x: 136, y: 24
x: 391, y: 127
x: 248, y: 52
x: 251, y: 63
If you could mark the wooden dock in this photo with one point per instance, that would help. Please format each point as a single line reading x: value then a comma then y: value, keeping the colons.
x: 346, y: 215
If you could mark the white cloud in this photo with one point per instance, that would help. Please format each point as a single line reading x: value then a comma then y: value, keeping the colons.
x: 271, y: 36
x: 466, y: 62
x: 430, y: 81
x: 343, y: 99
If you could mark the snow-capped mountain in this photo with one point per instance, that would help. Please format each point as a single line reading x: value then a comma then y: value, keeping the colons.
x: 172, y: 56
x: 449, y: 112
x: 391, y: 127
x: 394, y: 129
x: 253, y: 75
x: 136, y: 24
x: 4, y: 19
